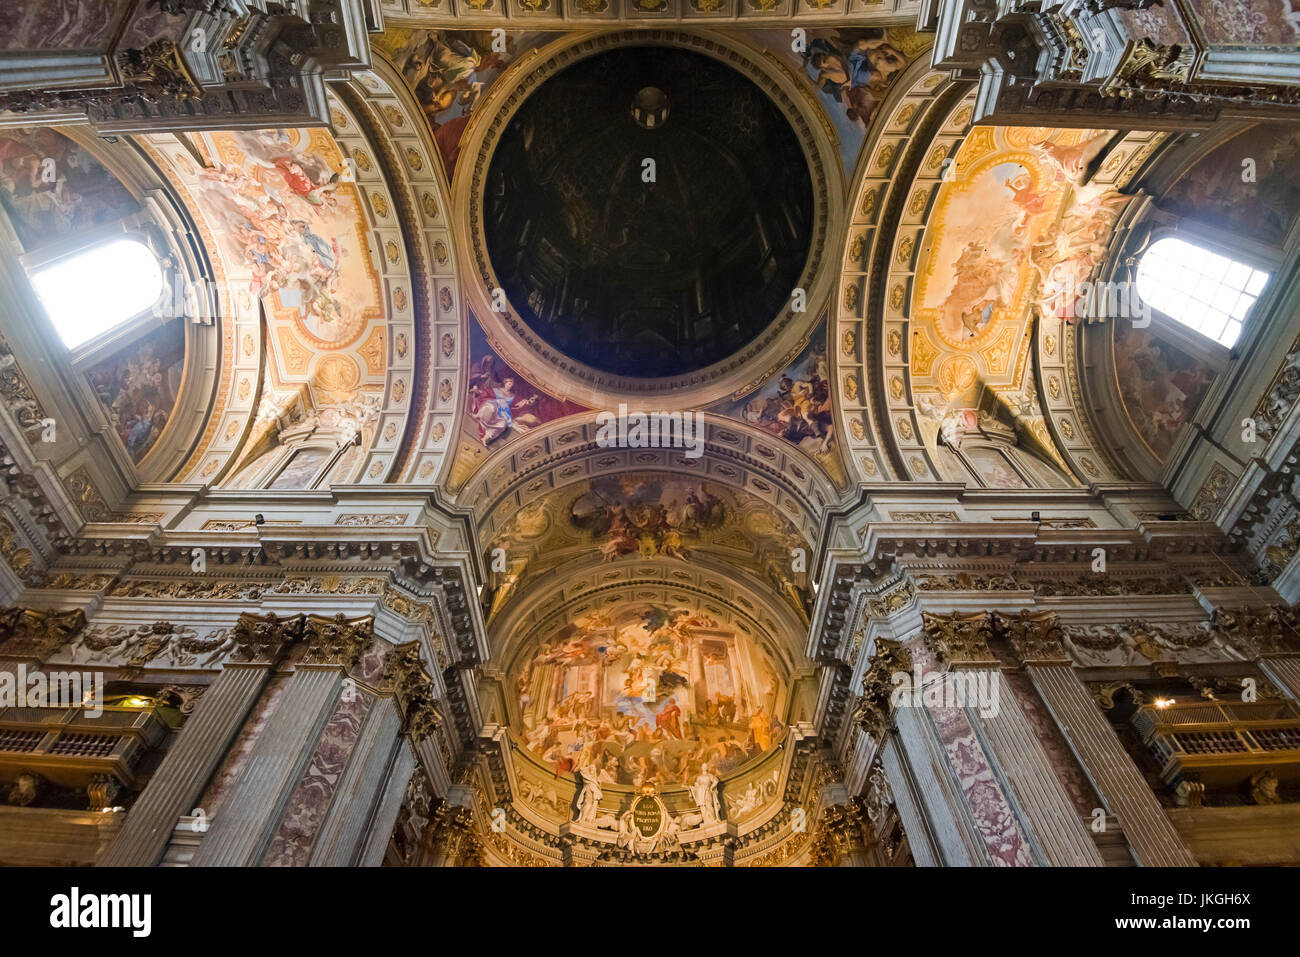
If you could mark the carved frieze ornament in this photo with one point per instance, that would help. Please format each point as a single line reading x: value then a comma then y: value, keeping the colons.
x: 159, y: 70
x: 1104, y: 693
x: 102, y: 792
x: 1101, y: 6
x: 136, y: 647
x: 1035, y: 636
x: 414, y: 690
x: 892, y: 601
x: 647, y: 827
x: 28, y: 633
x: 960, y: 640
x: 1280, y: 398
x: 872, y: 712
x: 1257, y: 632
x: 265, y: 638
x: 1149, y: 66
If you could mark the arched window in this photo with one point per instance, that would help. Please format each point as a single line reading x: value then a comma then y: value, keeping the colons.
x: 1199, y: 288
x: 98, y: 289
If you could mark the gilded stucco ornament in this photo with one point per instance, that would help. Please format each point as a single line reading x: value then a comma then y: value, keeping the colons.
x: 872, y: 713
x: 27, y: 633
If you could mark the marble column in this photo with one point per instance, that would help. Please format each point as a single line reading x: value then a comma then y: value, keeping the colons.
x: 1283, y: 671
x: 908, y: 802
x: 916, y: 763
x: 1123, y: 790
x: 1061, y: 836
x: 390, y: 804
x: 360, y: 790
x: 254, y: 812
x: 942, y: 806
x: 183, y: 773
x: 247, y: 818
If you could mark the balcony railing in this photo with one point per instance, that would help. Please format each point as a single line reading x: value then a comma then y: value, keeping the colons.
x: 70, y: 748
x: 1221, y: 743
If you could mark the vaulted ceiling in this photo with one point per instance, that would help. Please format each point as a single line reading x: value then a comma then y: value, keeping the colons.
x: 848, y: 281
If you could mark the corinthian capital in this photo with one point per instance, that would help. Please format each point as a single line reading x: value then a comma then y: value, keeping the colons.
x: 337, y: 641
x: 960, y: 640
x: 1035, y: 636
x: 872, y: 711
x: 415, y: 691
x: 27, y: 633
x: 265, y: 637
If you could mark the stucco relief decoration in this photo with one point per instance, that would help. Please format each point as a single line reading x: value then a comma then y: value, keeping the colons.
x: 1014, y: 231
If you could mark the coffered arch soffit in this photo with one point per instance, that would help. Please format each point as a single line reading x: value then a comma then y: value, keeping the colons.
x: 716, y: 587
x: 318, y: 233
x: 563, y: 454
x: 969, y: 331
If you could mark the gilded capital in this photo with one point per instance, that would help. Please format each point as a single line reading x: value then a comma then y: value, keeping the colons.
x: 414, y: 690
x: 1258, y: 632
x: 336, y: 641
x: 1035, y: 636
x: 28, y: 633
x: 265, y: 637
x: 960, y: 640
x: 872, y: 712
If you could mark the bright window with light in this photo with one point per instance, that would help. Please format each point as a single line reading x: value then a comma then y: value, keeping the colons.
x: 1201, y: 289
x: 94, y: 291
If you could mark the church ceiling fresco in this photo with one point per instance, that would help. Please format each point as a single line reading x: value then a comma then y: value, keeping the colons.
x: 282, y: 205
x: 1218, y: 191
x: 450, y: 71
x: 1014, y: 231
x: 643, y: 693
x: 850, y: 70
x: 48, y: 201
x: 499, y: 402
x: 638, y: 516
x: 500, y: 405
x: 797, y: 404
x: 303, y: 223
x: 1161, y: 385
x: 138, y: 386
x: 647, y: 514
